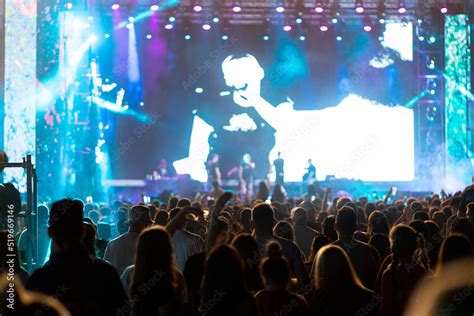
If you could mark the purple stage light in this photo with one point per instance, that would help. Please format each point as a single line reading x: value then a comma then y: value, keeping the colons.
x: 367, y: 28
x: 115, y: 6
x: 280, y: 9
x: 360, y: 9
x: 154, y: 7
x: 197, y: 8
x: 323, y: 28
x: 169, y: 26
x: 287, y: 28
x: 319, y: 9
x: 206, y: 27
x: 236, y: 9
x: 444, y: 10
x: 402, y: 10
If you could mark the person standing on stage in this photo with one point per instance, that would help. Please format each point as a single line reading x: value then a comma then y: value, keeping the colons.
x: 310, y: 174
x: 246, y: 172
x: 213, y: 170
x: 279, y: 165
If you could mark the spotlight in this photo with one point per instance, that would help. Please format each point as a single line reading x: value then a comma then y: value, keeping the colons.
x: 381, y: 38
x: 131, y: 19
x: 431, y: 85
x: 169, y: 26
x: 225, y: 37
x: 287, y: 28
x: 266, y: 37
x: 430, y: 63
x: 432, y: 39
x: 334, y: 20
x: 215, y: 19
x: 302, y: 38
x: 367, y: 28
x: 107, y: 35
x: 115, y: 6
x: 299, y: 20
x: 401, y: 8
x: 319, y: 8
x: 382, y: 21
x: 197, y: 8
x: 154, y: 7
x: 206, y: 27
x: 339, y: 38
x: 444, y: 10
x: 359, y: 7
x: 69, y: 5
x: 148, y: 36
x: 236, y: 9
x: 130, y: 26
x: 421, y: 38
x: 199, y: 90
x: 280, y: 9
x: 187, y: 37
x: 431, y: 112
x: 172, y: 19
x: 90, y: 18
x: 323, y: 28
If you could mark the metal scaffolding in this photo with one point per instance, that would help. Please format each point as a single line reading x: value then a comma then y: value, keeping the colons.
x: 31, y: 205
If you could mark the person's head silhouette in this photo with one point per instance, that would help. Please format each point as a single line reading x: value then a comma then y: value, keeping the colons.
x: 65, y: 223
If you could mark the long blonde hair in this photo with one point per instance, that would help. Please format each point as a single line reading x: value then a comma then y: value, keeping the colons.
x: 334, y: 270
x: 154, y: 259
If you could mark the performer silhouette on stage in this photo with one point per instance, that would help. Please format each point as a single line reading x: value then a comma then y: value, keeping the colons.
x: 246, y: 177
x: 213, y: 170
x: 310, y: 174
x: 279, y: 165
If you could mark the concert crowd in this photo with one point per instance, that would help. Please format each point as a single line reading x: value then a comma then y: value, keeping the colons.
x: 216, y: 254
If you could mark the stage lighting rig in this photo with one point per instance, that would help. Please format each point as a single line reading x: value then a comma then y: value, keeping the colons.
x: 401, y: 7
x: 359, y: 6
x: 319, y: 7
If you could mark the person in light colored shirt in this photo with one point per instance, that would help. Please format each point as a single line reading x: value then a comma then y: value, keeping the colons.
x: 185, y: 244
x: 304, y: 235
x: 120, y: 252
x: 263, y: 218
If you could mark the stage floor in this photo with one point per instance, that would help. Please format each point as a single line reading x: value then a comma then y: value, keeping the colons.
x: 134, y: 190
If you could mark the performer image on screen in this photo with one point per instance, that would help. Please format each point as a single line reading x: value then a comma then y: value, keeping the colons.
x: 279, y: 165
x: 213, y: 170
x: 280, y: 127
x: 246, y: 176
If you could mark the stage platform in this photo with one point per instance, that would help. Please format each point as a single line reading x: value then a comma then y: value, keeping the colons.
x: 134, y: 190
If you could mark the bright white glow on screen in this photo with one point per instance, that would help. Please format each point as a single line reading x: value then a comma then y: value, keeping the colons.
x: 355, y: 140
x: 195, y: 163
x: 399, y: 37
